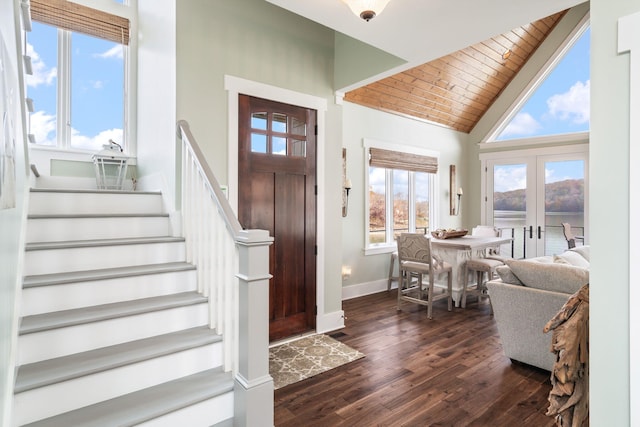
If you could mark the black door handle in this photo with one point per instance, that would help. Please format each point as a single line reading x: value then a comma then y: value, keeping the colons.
x: 539, y: 232
x: 531, y: 231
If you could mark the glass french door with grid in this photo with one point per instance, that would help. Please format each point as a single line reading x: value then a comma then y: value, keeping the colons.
x: 530, y: 197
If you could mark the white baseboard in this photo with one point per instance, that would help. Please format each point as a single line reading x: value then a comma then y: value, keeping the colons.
x: 367, y: 288
x: 330, y: 321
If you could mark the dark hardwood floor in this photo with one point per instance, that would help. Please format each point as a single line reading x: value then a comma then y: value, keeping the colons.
x: 449, y: 371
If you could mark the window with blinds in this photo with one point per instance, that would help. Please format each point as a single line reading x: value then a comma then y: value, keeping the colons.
x: 78, y: 85
x: 400, y: 185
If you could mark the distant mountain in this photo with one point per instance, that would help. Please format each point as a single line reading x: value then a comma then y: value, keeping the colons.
x: 561, y: 196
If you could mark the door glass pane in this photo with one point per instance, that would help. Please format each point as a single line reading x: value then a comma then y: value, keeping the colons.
x: 258, y: 143
x: 279, y: 145
x: 377, y: 205
x: 563, y: 202
x: 400, y: 202
x: 422, y: 202
x: 298, y: 148
x: 510, y: 203
x: 97, y: 92
x: 42, y: 47
x: 259, y: 121
x: 298, y: 127
x: 279, y: 123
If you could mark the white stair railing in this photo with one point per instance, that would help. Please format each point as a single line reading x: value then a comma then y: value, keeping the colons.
x: 233, y: 271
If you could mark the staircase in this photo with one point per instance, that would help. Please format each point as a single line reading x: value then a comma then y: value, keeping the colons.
x: 113, y: 331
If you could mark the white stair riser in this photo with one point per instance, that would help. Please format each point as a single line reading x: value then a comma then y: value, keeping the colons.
x: 58, y: 342
x: 48, y: 261
x: 43, y: 402
x: 203, y: 414
x: 44, y: 299
x: 61, y: 203
x: 66, y: 229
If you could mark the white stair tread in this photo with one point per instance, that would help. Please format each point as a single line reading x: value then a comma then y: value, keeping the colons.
x: 101, y: 242
x: 40, y: 374
x: 90, y: 191
x: 103, y: 274
x: 60, y: 319
x: 144, y: 405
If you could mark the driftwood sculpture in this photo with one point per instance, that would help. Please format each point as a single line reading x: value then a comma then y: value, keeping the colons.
x: 569, y: 396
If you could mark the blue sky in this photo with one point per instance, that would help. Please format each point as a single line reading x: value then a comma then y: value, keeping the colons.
x: 561, y: 103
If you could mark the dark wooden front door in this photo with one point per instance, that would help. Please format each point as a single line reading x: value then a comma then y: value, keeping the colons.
x: 277, y: 192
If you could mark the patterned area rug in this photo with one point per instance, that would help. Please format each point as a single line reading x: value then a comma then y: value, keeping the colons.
x: 294, y: 361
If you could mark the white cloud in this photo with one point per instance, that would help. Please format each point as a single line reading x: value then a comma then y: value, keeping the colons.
x: 572, y: 105
x: 98, y: 84
x: 95, y: 143
x: 523, y: 124
x: 43, y: 127
x: 377, y: 179
x: 115, y: 52
x: 508, y: 178
x: 41, y: 74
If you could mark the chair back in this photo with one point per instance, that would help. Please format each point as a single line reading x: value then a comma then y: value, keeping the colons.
x: 568, y: 234
x: 414, y: 247
x: 485, y: 231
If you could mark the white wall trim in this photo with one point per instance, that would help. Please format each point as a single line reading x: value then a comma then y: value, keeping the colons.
x: 564, y: 149
x: 629, y: 41
x: 366, y: 288
x: 328, y: 322
x: 236, y: 86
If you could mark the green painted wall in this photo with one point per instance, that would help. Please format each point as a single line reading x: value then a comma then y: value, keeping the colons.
x: 356, y: 61
x: 257, y: 41
x: 609, y: 217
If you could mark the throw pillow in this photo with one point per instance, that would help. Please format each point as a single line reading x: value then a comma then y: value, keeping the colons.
x: 582, y: 250
x: 559, y: 260
x: 574, y: 258
x: 507, y: 275
x: 551, y: 277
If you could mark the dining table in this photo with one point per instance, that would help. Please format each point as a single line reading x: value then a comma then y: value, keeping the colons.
x: 456, y: 251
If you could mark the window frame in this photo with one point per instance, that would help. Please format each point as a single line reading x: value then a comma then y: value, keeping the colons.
x: 62, y: 150
x: 390, y: 244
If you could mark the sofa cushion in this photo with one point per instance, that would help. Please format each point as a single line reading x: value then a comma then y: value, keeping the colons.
x: 507, y: 275
x: 550, y: 277
x: 559, y: 260
x: 582, y: 250
x: 574, y: 258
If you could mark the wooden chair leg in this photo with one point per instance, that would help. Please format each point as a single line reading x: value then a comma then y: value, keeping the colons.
x: 430, y: 297
x: 394, y: 257
x: 465, y: 283
x: 450, y: 290
x: 401, y: 279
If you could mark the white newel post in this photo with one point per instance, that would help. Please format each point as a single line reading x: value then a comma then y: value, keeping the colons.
x: 253, y: 385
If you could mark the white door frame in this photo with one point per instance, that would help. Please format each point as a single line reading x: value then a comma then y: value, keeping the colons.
x: 535, y: 159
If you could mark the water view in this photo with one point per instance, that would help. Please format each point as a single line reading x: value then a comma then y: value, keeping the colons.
x: 555, y: 242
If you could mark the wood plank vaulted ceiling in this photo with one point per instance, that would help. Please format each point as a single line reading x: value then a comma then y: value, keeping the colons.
x: 456, y: 90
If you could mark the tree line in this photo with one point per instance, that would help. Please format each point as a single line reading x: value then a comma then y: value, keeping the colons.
x: 560, y: 196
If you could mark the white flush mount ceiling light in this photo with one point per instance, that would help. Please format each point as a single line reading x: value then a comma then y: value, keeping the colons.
x: 367, y: 9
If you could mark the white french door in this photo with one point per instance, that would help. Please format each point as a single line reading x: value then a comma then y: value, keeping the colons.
x: 529, y: 195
